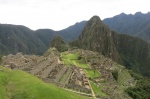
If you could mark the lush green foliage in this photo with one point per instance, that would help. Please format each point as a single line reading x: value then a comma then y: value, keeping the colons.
x: 115, y: 74
x: 134, y: 53
x: 142, y: 88
x: 126, y: 50
x: 15, y: 38
x: 59, y: 44
x: 15, y: 84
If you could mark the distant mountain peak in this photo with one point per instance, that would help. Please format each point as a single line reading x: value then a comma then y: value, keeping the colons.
x: 122, y: 13
x: 96, y: 36
x: 138, y: 14
x: 95, y: 18
x: 95, y: 21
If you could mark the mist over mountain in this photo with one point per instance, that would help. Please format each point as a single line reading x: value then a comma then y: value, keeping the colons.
x: 137, y: 24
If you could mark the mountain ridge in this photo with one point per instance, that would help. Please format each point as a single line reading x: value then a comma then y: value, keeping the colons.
x: 18, y: 38
x: 137, y: 24
x: 99, y: 37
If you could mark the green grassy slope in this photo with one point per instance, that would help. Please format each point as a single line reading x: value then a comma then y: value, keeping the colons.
x: 15, y: 84
x: 97, y: 89
x: 92, y: 73
x: 73, y: 59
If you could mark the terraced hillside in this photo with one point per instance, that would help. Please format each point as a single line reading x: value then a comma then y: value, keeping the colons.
x: 81, y: 71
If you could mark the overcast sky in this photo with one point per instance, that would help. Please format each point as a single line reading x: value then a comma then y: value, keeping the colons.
x: 59, y: 14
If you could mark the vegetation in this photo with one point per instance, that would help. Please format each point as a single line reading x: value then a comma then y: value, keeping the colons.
x: 0, y: 58
x: 69, y: 59
x: 73, y: 59
x: 123, y: 49
x: 142, y: 88
x: 97, y: 89
x: 130, y: 24
x: 91, y: 73
x: 134, y: 53
x: 115, y: 74
x: 15, y: 84
x: 123, y: 77
x: 16, y: 38
x: 59, y: 44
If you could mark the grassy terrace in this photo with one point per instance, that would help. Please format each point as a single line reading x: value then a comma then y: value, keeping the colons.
x: 15, y: 84
x: 91, y: 73
x: 97, y: 89
x: 73, y: 59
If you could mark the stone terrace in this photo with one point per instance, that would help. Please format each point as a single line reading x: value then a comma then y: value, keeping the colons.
x: 49, y: 69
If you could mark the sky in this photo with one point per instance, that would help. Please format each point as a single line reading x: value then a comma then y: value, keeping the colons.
x: 59, y: 14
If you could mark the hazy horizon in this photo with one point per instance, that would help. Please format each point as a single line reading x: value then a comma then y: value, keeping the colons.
x: 58, y: 15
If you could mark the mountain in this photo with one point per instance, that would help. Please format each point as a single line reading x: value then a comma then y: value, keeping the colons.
x: 69, y: 34
x: 136, y: 25
x: 96, y: 36
x: 130, y: 51
x: 45, y: 35
x: 16, y: 38
x: 72, y: 32
x: 59, y: 44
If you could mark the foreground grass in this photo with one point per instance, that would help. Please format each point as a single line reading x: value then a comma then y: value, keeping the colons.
x: 15, y: 84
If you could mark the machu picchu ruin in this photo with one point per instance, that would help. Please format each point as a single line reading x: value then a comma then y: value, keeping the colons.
x: 81, y: 71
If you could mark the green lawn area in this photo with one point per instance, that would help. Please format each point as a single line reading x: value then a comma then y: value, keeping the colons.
x: 70, y: 56
x: 82, y: 65
x: 97, y: 89
x: 69, y: 59
x: 16, y: 84
x: 91, y: 73
x: 73, y: 59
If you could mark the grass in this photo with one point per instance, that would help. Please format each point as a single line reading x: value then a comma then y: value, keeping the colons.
x: 82, y: 65
x: 15, y: 84
x: 73, y: 59
x: 70, y: 56
x: 97, y: 89
x: 68, y: 59
x: 91, y: 73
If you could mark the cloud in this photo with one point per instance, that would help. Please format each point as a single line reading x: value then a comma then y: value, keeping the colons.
x: 58, y: 14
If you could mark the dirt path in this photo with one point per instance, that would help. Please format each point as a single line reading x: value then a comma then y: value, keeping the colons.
x: 93, y: 94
